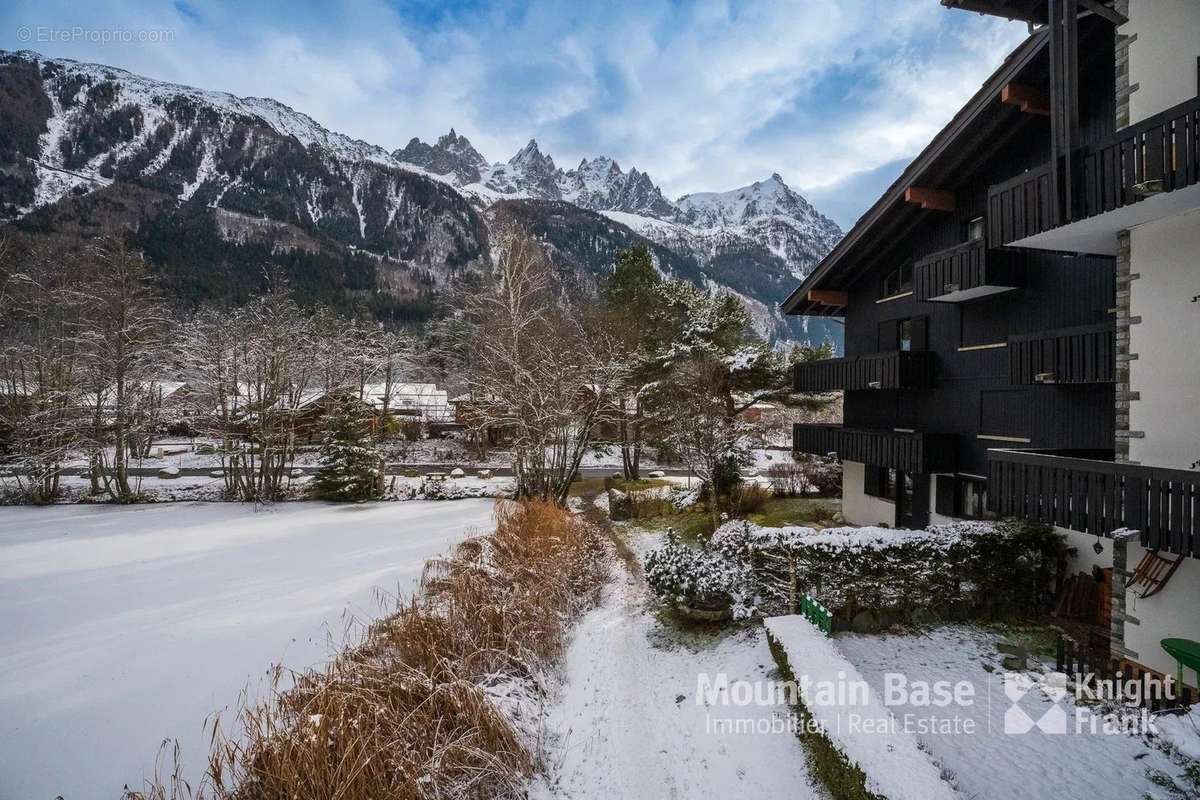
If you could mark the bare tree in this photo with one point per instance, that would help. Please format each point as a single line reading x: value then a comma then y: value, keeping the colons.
x: 537, y: 370
x: 40, y: 362
x: 124, y: 336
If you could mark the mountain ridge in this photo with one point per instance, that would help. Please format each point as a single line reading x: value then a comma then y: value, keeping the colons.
x: 86, y: 133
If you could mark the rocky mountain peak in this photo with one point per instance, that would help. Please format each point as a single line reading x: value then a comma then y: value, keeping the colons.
x: 452, y: 155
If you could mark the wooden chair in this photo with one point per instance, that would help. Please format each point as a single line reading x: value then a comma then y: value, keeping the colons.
x: 1152, y: 573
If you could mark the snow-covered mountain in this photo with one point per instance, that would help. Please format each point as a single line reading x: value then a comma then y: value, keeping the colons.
x: 212, y: 185
x: 763, y: 231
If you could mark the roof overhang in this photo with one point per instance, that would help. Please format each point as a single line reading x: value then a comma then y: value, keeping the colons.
x: 982, y: 123
x: 1031, y: 11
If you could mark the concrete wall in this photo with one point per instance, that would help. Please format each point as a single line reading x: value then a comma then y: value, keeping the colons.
x: 1166, y: 373
x: 858, y: 507
x: 1162, y: 60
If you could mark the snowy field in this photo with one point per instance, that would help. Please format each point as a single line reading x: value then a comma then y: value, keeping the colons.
x: 121, y: 627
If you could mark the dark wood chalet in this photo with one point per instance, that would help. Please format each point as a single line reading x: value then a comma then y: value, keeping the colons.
x: 957, y: 341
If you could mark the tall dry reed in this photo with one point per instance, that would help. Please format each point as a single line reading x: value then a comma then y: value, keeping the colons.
x: 406, y: 714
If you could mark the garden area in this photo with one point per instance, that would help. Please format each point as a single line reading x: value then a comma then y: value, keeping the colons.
x: 967, y: 603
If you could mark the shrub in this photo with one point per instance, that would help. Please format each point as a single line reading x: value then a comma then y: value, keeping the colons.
x: 788, y: 479
x: 748, y: 498
x: 699, y: 578
x: 823, y: 475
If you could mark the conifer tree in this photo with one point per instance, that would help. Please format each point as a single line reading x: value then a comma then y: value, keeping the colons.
x: 350, y: 468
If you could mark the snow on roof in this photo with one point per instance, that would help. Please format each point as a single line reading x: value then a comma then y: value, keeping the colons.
x: 854, y: 717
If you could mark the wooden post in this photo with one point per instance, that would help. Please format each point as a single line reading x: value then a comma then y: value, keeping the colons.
x: 793, y: 606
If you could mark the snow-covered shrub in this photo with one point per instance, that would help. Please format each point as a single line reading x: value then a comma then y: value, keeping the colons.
x: 701, y: 578
x: 682, y: 498
x: 967, y: 567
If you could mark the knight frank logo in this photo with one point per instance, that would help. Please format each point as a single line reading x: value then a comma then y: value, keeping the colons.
x: 1028, y: 708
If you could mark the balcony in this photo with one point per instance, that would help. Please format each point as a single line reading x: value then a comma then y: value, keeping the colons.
x: 1067, y: 356
x: 899, y: 369
x: 965, y: 272
x: 916, y: 453
x: 1098, y: 496
x: 1020, y: 207
x: 1143, y: 172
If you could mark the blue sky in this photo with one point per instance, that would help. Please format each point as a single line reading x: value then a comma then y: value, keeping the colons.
x: 835, y: 95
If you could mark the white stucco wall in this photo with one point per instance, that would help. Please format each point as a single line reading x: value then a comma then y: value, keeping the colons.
x: 858, y: 507
x: 1166, y: 374
x: 1169, y: 614
x: 1162, y: 60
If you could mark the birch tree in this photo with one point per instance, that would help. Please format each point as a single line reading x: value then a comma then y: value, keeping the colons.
x: 124, y: 337
x: 40, y: 405
x: 538, y: 370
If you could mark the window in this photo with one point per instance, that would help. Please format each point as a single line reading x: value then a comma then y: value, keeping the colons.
x: 963, y: 497
x: 908, y: 333
x: 898, y: 281
x: 880, y: 482
x: 972, y: 498
x: 975, y: 230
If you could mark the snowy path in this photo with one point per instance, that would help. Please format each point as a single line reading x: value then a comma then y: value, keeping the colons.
x: 627, y: 726
x: 120, y: 627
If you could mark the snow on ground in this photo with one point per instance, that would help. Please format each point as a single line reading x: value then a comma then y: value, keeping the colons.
x: 627, y: 724
x: 123, y: 626
x: 990, y: 763
x: 863, y: 727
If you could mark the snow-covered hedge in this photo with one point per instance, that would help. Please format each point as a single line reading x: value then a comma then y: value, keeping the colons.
x: 965, y: 567
x: 450, y: 490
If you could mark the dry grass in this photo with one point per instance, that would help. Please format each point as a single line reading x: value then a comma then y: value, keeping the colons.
x: 405, y: 714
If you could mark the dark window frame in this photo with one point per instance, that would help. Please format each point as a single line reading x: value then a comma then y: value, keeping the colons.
x: 897, y: 282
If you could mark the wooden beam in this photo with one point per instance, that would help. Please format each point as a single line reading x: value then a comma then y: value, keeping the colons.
x: 1101, y: 10
x: 1027, y: 98
x: 930, y: 199
x: 828, y: 297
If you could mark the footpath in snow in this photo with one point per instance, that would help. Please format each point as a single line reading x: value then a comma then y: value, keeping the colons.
x: 627, y: 725
x: 122, y: 626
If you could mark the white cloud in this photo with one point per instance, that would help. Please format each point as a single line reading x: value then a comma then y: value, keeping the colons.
x: 704, y: 96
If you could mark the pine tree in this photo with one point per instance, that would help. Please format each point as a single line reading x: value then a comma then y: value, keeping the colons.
x: 350, y: 467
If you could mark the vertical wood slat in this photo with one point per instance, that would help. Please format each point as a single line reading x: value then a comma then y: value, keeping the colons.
x: 1098, y: 497
x: 900, y: 369
x: 915, y: 453
x: 1162, y: 147
x: 1080, y: 355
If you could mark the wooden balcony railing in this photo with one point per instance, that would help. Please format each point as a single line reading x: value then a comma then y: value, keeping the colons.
x: 1020, y: 207
x: 1098, y: 497
x: 1070, y: 355
x: 895, y: 370
x: 917, y: 453
x: 1159, y: 154
x: 965, y: 271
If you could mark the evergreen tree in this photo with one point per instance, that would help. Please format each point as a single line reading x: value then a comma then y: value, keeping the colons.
x: 350, y: 468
